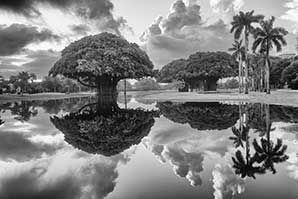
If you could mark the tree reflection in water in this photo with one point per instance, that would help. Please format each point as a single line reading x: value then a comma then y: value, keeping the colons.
x: 104, y: 128
x: 23, y: 111
x: 201, y: 116
x: 266, y: 153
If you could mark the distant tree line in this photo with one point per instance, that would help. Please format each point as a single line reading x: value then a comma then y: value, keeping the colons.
x: 25, y: 82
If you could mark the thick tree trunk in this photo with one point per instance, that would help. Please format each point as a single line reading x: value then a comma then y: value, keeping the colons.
x: 211, y: 84
x: 184, y: 89
x: 107, y: 93
x: 106, y: 105
x: 107, y: 86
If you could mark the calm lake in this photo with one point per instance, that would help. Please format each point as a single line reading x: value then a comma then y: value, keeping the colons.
x: 84, y: 149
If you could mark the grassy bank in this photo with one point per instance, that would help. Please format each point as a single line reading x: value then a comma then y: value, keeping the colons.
x: 41, y: 96
x: 279, y: 97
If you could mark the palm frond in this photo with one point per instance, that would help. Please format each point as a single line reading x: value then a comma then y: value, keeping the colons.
x: 277, y: 44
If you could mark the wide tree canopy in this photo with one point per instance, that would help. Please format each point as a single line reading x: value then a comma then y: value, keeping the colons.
x: 211, y: 65
x: 200, y: 70
x: 100, y: 61
x: 169, y: 72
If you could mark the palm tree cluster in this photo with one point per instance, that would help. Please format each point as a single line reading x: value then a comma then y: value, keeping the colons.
x: 266, y: 37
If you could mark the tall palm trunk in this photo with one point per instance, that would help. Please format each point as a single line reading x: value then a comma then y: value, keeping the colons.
x: 246, y: 60
x: 262, y: 80
x: 267, y: 71
x: 240, y: 74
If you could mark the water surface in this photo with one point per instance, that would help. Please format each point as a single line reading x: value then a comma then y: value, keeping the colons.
x: 76, y: 148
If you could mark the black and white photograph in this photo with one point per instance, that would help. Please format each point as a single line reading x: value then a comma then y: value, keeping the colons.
x: 148, y: 99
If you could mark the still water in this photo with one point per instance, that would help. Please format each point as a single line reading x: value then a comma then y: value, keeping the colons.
x: 84, y: 149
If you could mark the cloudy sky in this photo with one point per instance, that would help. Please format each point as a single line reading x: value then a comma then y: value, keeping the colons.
x: 33, y: 32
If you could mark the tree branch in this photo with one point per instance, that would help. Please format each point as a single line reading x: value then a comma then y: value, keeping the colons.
x: 84, y: 84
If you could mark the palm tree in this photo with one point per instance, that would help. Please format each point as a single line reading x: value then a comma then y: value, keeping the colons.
x: 238, y: 53
x: 242, y: 25
x: 32, y: 77
x: 266, y: 37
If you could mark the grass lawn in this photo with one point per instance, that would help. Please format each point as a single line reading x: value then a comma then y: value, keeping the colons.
x: 280, y: 97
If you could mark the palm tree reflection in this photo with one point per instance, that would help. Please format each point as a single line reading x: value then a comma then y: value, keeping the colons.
x: 239, y: 135
x: 246, y: 167
x: 1, y: 121
x: 266, y: 153
x: 269, y: 153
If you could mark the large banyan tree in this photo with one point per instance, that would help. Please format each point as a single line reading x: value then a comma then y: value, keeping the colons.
x: 200, y: 71
x: 105, y: 129
x: 177, y: 71
x: 100, y: 61
x: 201, y: 116
x: 209, y: 67
x: 169, y: 72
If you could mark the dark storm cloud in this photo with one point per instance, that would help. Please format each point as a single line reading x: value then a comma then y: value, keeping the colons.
x: 15, y: 37
x: 24, y: 7
x: 96, y: 10
x: 81, y: 29
x: 27, y: 186
x: 38, y: 62
x: 41, y: 63
x: 14, y: 146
